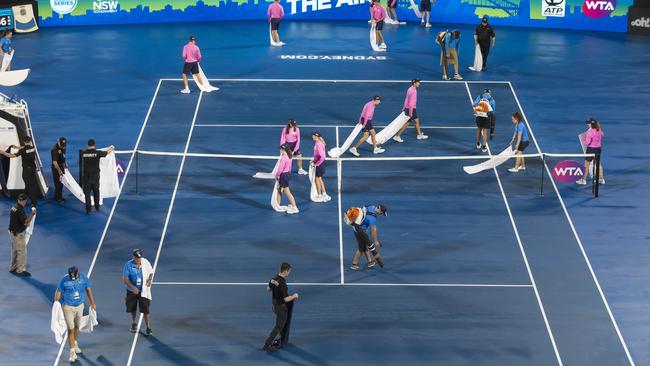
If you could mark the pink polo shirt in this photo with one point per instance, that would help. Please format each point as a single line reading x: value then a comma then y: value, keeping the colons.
x: 191, y: 53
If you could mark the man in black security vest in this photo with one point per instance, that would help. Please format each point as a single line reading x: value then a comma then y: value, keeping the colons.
x: 90, y: 166
x: 58, y: 167
x: 28, y: 155
x: 282, y: 307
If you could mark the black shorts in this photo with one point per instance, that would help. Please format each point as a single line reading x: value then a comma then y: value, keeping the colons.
x: 191, y: 68
x: 483, y: 122
x: 368, y: 127
x: 133, y: 302
x: 380, y: 25
x: 363, y: 240
x: 292, y: 146
x: 414, y: 116
x: 320, y: 170
x: 283, y: 182
x: 592, y: 150
x: 425, y: 5
x: 523, y: 145
x: 275, y: 24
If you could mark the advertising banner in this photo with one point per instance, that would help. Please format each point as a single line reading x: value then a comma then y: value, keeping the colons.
x: 639, y: 21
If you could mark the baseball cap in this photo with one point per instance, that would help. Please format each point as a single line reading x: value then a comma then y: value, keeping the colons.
x: 22, y: 197
x: 63, y: 141
x: 73, y: 272
x: 376, y: 97
x: 384, y: 209
x: 137, y: 253
x: 192, y: 38
x: 485, y: 18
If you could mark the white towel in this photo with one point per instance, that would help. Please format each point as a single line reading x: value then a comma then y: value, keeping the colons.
x: 30, y: 230
x: 274, y: 200
x: 147, y: 270
x: 313, y: 193
x: 71, y: 184
x: 13, y: 78
x: 492, y: 162
x: 478, y: 60
x: 88, y: 322
x: 273, y: 43
x: 205, y: 86
x: 373, y: 38
x: 57, y: 323
x: 338, y: 151
x: 6, y: 61
x: 109, y: 184
x: 271, y: 175
x: 391, y: 130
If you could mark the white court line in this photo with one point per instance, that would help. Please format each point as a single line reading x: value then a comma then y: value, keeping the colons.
x: 355, y: 81
x: 523, y: 252
x: 117, y: 198
x: 358, y: 284
x: 169, y: 214
x: 321, y: 126
x: 575, y: 233
x: 339, y: 171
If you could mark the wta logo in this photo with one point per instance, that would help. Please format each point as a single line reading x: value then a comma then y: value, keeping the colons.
x: 598, y: 8
x: 568, y: 171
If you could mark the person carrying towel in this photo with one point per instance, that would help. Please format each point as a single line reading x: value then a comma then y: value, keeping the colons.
x: 192, y: 57
x: 365, y: 121
x: 274, y: 14
x: 319, y: 165
x: 410, y: 104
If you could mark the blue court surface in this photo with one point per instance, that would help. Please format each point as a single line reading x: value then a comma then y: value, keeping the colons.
x: 480, y: 269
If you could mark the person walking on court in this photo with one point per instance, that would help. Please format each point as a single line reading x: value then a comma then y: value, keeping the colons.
x: 192, y: 56
x: 485, y: 38
x: 319, y: 165
x: 364, y: 223
x: 28, y: 155
x: 291, y: 137
x: 521, y: 138
x: 91, y: 175
x: 449, y: 42
x: 59, y: 166
x: 487, y: 95
x: 72, y: 289
x: 392, y: 8
x: 282, y: 304
x: 425, y: 9
x: 282, y: 176
x: 274, y: 14
x: 365, y: 121
x: 137, y: 275
x: 593, y: 140
x: 378, y: 15
x: 18, y: 223
x: 410, y: 104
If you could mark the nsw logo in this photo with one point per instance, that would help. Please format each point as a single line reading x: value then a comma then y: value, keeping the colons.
x: 63, y: 6
x: 100, y: 6
x: 568, y: 171
x: 553, y: 8
x: 598, y: 8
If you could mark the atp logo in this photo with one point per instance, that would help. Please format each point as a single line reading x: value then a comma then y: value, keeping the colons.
x: 598, y: 8
x: 568, y: 171
x: 553, y: 8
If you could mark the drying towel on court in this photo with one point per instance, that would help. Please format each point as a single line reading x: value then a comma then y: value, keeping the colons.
x: 88, y: 322
x: 478, y: 60
x: 338, y: 151
x: 147, y: 270
x: 373, y: 38
x: 313, y: 193
x: 30, y: 230
x: 57, y: 323
x: 6, y: 60
x: 492, y: 162
x: 109, y: 184
x: 205, y: 86
x: 273, y: 43
x: 71, y: 184
x: 274, y: 200
x: 391, y: 130
x: 271, y: 175
x: 13, y: 78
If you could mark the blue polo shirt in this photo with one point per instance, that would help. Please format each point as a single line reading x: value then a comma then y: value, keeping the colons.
x: 370, y: 221
x: 521, y: 127
x: 72, y: 292
x: 6, y: 44
x: 487, y: 97
x: 134, y: 274
x: 450, y: 41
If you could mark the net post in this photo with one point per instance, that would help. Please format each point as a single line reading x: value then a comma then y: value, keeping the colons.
x: 137, y: 170
x: 541, y: 189
x: 596, y: 182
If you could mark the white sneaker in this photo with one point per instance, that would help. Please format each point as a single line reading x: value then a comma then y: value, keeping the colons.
x: 319, y: 198
x: 281, y: 43
x: 383, y: 45
x: 513, y: 170
x: 73, y: 356
x: 601, y: 181
x: 582, y: 182
x: 428, y: 25
x: 185, y: 91
x: 353, y: 151
x: 302, y: 172
x: 522, y: 168
x: 292, y: 210
x: 422, y: 22
x: 328, y: 198
x: 398, y: 139
x: 478, y: 145
x: 422, y: 136
x: 77, y: 350
x: 378, y: 150
x: 458, y: 77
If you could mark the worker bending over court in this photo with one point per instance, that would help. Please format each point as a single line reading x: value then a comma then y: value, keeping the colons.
x: 487, y: 95
x: 282, y: 307
x: 28, y: 154
x: 90, y: 158
x: 364, y: 223
x: 449, y: 42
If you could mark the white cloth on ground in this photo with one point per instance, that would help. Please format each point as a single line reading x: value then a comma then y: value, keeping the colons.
x: 57, y: 323
x: 205, y: 86
x: 373, y: 38
x: 273, y: 43
x: 271, y: 175
x: 274, y: 199
x: 6, y: 61
x: 338, y: 151
x: 492, y: 162
x: 88, y: 322
x: 391, y: 130
x: 478, y: 60
x: 13, y: 78
x: 313, y: 192
x: 147, y: 270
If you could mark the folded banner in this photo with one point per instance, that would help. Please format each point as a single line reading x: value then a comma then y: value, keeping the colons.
x: 13, y: 78
x: 338, y: 151
x: 391, y: 130
x: 6, y: 61
x: 271, y: 175
x: 273, y: 43
x: 478, y: 60
x: 205, y: 86
x: 373, y: 38
x: 313, y: 192
x: 492, y: 162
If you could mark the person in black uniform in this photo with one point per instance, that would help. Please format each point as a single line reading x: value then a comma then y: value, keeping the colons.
x: 483, y: 37
x: 18, y: 223
x: 282, y: 307
x: 28, y: 155
x: 58, y: 167
x: 90, y: 175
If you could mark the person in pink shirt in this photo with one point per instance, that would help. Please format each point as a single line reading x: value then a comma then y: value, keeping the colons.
x: 319, y: 164
x: 274, y: 14
x: 192, y: 56
x: 378, y: 15
x: 366, y: 124
x: 282, y: 176
x: 410, y: 104
x: 593, y: 141
x: 291, y: 137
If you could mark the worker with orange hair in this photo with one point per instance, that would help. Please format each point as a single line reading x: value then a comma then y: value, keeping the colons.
x: 364, y: 223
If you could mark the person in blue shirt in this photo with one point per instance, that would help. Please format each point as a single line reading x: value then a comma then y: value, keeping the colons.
x: 133, y: 278
x: 487, y: 95
x: 448, y: 42
x: 364, y: 228
x: 5, y: 45
x: 72, y: 290
x: 521, y: 137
